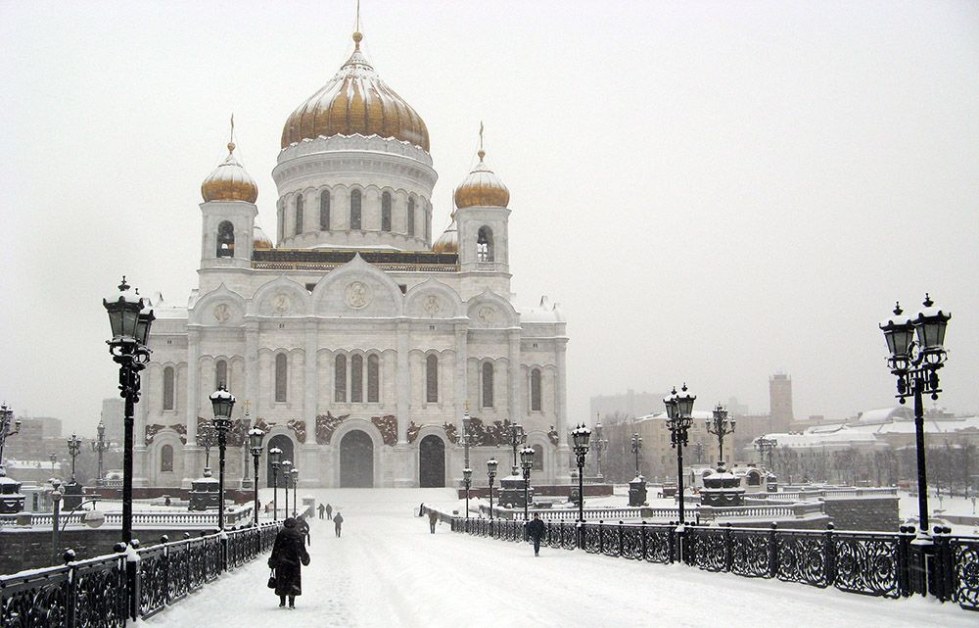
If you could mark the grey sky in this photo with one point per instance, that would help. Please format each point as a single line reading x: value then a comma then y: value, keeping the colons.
x: 712, y: 191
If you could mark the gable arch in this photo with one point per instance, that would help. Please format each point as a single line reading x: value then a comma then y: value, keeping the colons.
x: 433, y: 299
x: 280, y: 297
x: 491, y: 311
x: 218, y: 307
x: 357, y: 289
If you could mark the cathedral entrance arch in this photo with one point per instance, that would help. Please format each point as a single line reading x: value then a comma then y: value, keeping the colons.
x: 431, y: 462
x: 285, y: 444
x: 356, y: 460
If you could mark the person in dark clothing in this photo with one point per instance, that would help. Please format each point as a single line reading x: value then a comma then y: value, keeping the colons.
x: 329, y: 512
x: 288, y: 557
x: 421, y: 510
x: 433, y: 518
x: 535, y: 530
x: 321, y: 509
x: 337, y: 522
x: 303, y: 527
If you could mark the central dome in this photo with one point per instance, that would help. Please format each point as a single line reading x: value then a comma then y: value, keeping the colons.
x: 356, y: 101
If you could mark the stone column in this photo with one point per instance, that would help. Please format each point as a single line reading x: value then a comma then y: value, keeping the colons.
x: 404, y: 381
x: 513, y: 377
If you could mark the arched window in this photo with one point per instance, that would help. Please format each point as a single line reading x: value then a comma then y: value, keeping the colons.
x: 373, y: 379
x: 226, y: 239
x: 340, y: 379
x: 355, y: 210
x: 166, y: 458
x: 487, y: 385
x: 356, y: 379
x: 386, y: 211
x: 299, y: 214
x: 535, y: 400
x: 411, y: 217
x: 432, y: 379
x: 484, y: 245
x: 221, y: 375
x: 538, y: 458
x: 168, y: 388
x: 325, y: 210
x: 281, y: 377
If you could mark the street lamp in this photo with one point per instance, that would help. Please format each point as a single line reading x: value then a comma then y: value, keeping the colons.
x: 720, y: 425
x: 467, y: 479
x: 286, y: 468
x: 467, y: 436
x: 255, y: 437
x: 580, y: 437
x: 599, y: 444
x: 636, y: 448
x: 99, y: 446
x: 6, y: 416
x: 223, y: 402
x: 130, y: 319
x: 766, y: 446
x: 274, y: 456
x: 917, y: 352
x: 527, y: 463
x: 679, y: 410
x: 491, y: 465
x: 207, y: 436
x: 516, y: 437
x: 295, y: 483
x: 74, y: 445
x: 56, y: 496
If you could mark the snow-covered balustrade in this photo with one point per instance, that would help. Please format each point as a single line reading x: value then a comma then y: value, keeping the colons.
x: 238, y: 516
x: 869, y: 563
x: 107, y: 590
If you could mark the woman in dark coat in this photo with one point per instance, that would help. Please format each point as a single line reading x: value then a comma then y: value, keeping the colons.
x: 288, y: 556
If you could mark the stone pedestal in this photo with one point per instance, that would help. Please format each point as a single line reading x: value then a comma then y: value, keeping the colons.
x: 637, y: 491
x: 11, y: 500
x: 722, y: 489
x: 511, y: 492
x: 74, y: 494
x: 204, y: 494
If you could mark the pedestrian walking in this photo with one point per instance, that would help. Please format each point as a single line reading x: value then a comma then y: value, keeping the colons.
x: 321, y: 509
x: 329, y: 512
x: 421, y: 510
x: 337, y: 522
x: 433, y: 518
x: 535, y: 530
x: 303, y: 526
x: 288, y: 557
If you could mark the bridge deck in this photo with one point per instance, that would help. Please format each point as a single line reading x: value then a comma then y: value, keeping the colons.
x: 388, y: 570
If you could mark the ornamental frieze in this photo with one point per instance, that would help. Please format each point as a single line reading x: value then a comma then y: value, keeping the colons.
x: 388, y: 426
x: 451, y: 432
x: 326, y: 424
x: 552, y: 436
x: 154, y: 429
x: 298, y: 428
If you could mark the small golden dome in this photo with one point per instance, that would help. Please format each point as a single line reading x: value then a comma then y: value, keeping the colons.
x: 448, y: 242
x: 356, y: 101
x: 229, y: 182
x: 482, y: 188
x: 260, y: 241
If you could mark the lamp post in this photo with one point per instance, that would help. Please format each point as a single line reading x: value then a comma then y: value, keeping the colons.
x: 207, y: 436
x: 467, y: 436
x: 580, y: 436
x: 491, y: 465
x: 766, y: 446
x: 720, y: 425
x: 74, y: 445
x: 275, y: 455
x: 130, y: 319
x: 679, y: 410
x: 917, y: 348
x: 55, y: 531
x: 295, y: 483
x: 6, y: 416
x: 223, y: 403
x: 99, y: 446
x: 527, y: 463
x: 255, y: 437
x: 636, y: 448
x: 516, y: 437
x: 600, y: 445
x: 467, y: 479
x: 286, y: 476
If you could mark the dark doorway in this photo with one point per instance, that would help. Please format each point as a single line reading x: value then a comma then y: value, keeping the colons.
x: 431, y: 462
x: 356, y: 460
x: 282, y: 442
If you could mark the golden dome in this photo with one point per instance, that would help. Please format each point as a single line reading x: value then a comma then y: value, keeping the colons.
x: 356, y: 101
x: 229, y: 182
x: 448, y: 242
x: 260, y: 241
x: 482, y: 188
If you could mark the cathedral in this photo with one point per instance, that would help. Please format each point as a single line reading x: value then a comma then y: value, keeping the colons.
x: 357, y: 343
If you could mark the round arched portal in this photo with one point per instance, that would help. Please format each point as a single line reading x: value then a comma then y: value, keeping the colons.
x: 431, y: 462
x: 356, y: 460
x: 285, y: 444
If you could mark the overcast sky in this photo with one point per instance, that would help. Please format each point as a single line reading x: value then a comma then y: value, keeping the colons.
x: 713, y: 191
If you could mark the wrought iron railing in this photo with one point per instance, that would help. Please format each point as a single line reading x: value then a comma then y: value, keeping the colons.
x: 879, y: 564
x: 107, y: 590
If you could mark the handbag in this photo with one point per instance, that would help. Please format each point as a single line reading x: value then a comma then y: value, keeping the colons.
x: 272, y: 583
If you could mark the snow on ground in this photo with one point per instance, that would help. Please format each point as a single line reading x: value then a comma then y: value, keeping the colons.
x: 388, y: 570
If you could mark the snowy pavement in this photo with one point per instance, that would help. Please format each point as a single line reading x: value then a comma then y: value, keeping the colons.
x: 388, y: 570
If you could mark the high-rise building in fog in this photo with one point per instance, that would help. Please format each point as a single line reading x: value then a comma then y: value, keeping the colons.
x: 780, y: 400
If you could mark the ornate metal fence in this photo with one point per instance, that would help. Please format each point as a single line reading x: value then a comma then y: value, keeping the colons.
x: 868, y: 563
x: 105, y: 591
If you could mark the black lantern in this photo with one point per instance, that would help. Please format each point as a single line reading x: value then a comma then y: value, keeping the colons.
x: 295, y: 482
x: 467, y: 479
x: 222, y: 402
x: 720, y: 425
x: 255, y: 438
x: 526, y: 463
x: 286, y: 476
x: 679, y: 410
x: 491, y: 466
x: 275, y: 457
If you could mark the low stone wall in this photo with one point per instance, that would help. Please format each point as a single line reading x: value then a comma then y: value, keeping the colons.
x: 542, y: 490
x: 864, y: 513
